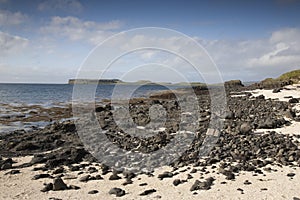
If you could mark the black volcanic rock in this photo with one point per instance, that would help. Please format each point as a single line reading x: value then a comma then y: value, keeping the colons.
x: 147, y: 192
x: 276, y: 90
x: 114, y: 176
x: 205, y: 185
x: 293, y: 100
x: 165, y: 175
x: 85, y: 178
x: 6, y: 164
x: 93, y: 192
x: 233, y: 84
x: 117, y: 191
x: 58, y: 184
x: 39, y: 176
x: 291, y: 174
x: 47, y: 187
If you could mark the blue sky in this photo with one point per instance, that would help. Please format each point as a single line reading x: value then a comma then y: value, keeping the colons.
x: 47, y: 41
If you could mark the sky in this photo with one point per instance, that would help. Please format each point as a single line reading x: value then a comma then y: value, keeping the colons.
x: 55, y: 40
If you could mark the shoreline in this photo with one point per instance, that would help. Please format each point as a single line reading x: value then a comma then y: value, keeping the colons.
x: 269, y: 172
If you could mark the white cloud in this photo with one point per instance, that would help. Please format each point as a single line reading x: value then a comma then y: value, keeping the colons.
x: 31, y: 74
x: 8, y: 18
x: 64, y: 5
x: 252, y: 59
x: 10, y: 44
x: 236, y: 59
x: 283, y: 53
x: 256, y: 59
x: 76, y: 29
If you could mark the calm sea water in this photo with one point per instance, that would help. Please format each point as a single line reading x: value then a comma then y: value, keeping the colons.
x: 48, y: 94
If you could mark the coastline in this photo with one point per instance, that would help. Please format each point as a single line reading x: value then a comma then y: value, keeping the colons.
x: 272, y: 179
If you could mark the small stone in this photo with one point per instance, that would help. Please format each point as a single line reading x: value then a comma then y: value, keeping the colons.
x: 165, y: 175
x: 195, y: 186
x: 143, y: 184
x: 59, y: 184
x: 247, y: 182
x: 92, y: 170
x: 127, y: 182
x: 296, y: 198
x: 260, y: 97
x: 293, y: 100
x: 129, y: 174
x: 147, y: 192
x: 74, y: 168
x: 276, y: 90
x: 39, y: 176
x: 69, y: 176
x: 291, y: 174
x: 47, y: 187
x: 176, y: 182
x: 58, y: 170
x: 189, y: 176
x: 105, y: 169
x: 117, y: 191
x: 206, y: 185
x: 114, y: 176
x: 241, y: 190
x: 98, y: 177
x: 6, y: 166
x: 74, y: 187
x: 93, y: 192
x: 229, y: 175
x: 85, y: 178
x: 14, y: 171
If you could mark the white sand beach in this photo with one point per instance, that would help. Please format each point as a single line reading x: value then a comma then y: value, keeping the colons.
x: 273, y: 185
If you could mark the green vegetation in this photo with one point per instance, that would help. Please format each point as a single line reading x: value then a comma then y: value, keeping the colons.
x: 285, y: 79
x: 269, y: 80
x: 292, y: 75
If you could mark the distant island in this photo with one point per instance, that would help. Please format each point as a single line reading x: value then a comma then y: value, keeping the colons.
x: 118, y: 81
x: 94, y: 81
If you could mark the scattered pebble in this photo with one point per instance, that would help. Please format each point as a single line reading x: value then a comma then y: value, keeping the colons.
x: 247, y: 182
x: 93, y: 192
x: 165, y: 175
x: 291, y: 174
x: 241, y: 190
x: 58, y: 184
x: 117, y: 191
x: 147, y: 192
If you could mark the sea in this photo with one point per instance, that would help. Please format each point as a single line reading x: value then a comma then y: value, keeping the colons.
x: 54, y: 95
x: 18, y: 96
x: 51, y: 94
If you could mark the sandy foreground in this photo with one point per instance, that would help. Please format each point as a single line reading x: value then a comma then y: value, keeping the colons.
x: 272, y: 184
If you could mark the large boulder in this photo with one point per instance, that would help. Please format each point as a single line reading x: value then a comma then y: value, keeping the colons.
x: 233, y: 84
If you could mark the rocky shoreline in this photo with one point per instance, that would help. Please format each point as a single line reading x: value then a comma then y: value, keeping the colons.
x: 58, y: 158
